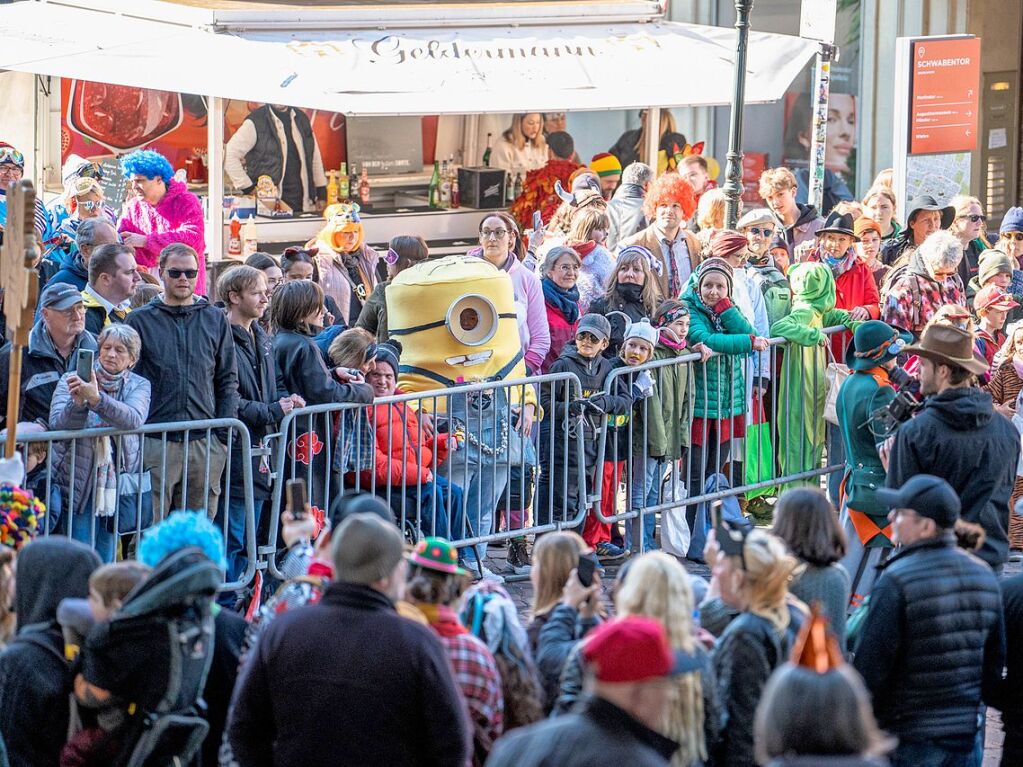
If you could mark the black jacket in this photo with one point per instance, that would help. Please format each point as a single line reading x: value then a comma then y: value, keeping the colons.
x: 932, y: 644
x: 598, y: 733
x: 229, y: 637
x: 347, y: 681
x: 633, y: 309
x: 35, y: 680
x: 41, y: 368
x: 1010, y: 693
x: 260, y: 386
x: 892, y: 250
x: 561, y: 632
x: 749, y: 651
x: 958, y: 436
x: 188, y: 357
x: 304, y: 372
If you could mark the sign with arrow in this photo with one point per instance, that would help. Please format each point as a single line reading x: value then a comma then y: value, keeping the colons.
x: 944, y: 95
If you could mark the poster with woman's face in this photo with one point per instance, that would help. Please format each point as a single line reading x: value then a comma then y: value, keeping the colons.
x: 840, y: 145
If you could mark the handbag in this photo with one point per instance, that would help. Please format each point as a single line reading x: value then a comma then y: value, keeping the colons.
x: 759, y: 464
x: 835, y: 375
x: 675, y: 532
x: 134, y: 495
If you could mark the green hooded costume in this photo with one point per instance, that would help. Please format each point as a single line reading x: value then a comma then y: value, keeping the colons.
x: 804, y: 387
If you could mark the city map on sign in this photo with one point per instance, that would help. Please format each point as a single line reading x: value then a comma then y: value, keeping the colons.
x: 942, y: 176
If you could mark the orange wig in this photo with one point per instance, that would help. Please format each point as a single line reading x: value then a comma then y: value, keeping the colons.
x: 669, y: 188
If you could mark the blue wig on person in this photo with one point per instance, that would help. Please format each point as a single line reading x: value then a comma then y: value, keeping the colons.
x: 147, y: 163
x: 181, y: 529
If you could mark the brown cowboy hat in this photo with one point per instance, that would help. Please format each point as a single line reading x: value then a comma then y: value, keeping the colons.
x: 948, y: 345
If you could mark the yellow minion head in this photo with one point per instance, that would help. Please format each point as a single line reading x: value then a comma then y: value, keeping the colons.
x: 343, y: 231
x: 455, y: 318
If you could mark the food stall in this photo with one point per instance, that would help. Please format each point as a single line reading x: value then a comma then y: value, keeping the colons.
x: 364, y: 69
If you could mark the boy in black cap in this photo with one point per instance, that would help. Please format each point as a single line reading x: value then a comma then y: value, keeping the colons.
x: 932, y: 645
x: 557, y: 495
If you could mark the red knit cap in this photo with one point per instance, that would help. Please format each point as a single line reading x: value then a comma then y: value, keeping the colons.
x: 727, y: 243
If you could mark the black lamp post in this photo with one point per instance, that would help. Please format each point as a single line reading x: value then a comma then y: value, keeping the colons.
x: 733, y: 171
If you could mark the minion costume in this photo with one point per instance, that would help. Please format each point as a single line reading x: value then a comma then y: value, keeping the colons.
x: 349, y: 268
x: 455, y: 318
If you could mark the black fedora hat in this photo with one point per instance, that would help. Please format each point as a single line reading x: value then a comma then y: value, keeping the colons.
x: 839, y: 223
x: 927, y: 202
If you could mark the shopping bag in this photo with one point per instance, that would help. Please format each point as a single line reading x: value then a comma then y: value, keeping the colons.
x: 759, y: 464
x: 835, y: 374
x: 675, y: 533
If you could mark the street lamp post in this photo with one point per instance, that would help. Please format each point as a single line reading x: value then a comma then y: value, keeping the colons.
x: 733, y: 172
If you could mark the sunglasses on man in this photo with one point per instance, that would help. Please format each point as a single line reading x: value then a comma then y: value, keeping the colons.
x: 176, y: 274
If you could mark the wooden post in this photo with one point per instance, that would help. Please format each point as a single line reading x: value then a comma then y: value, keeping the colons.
x: 21, y: 290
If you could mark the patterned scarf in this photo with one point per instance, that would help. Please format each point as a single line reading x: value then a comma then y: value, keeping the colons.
x: 565, y: 301
x: 105, y: 501
x: 839, y: 266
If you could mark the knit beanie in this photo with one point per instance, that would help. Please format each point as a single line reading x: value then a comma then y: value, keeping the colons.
x: 716, y: 265
x: 642, y: 330
x: 1012, y: 221
x: 866, y: 224
x: 388, y: 352
x: 605, y: 164
x: 992, y: 262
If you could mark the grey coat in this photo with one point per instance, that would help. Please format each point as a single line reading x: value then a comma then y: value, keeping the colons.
x: 128, y: 410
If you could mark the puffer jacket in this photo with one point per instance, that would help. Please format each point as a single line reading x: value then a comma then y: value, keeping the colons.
x: 127, y: 409
x: 720, y: 381
x: 403, y: 453
x: 932, y: 648
x: 959, y: 437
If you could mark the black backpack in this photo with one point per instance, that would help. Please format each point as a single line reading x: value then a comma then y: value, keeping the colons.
x: 155, y: 653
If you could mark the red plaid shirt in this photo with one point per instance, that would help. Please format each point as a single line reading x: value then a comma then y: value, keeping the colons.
x: 475, y: 674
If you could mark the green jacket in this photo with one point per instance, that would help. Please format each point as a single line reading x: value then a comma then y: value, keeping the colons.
x: 669, y: 415
x: 720, y: 375
x: 813, y: 306
x: 862, y: 395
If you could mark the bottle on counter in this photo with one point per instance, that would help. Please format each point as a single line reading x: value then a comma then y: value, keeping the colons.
x: 364, y: 187
x: 486, y: 152
x: 517, y: 187
x: 343, y: 190
x: 445, y: 186
x: 353, y: 184
x: 333, y: 190
x: 234, y: 242
x: 250, y: 238
x: 435, y: 186
x: 456, y: 194
x: 509, y: 187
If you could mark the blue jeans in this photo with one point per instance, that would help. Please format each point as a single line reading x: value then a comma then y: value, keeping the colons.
x: 234, y: 533
x: 81, y: 530
x: 482, y: 484
x: 910, y: 754
x: 647, y: 474
x: 436, y: 506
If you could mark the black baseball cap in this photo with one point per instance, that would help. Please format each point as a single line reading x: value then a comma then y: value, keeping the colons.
x: 928, y: 496
x: 60, y: 296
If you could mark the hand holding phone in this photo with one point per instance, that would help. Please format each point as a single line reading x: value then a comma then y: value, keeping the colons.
x: 83, y: 364
x: 585, y: 570
x: 297, y: 498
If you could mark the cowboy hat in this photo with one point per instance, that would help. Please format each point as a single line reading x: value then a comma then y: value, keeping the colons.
x: 926, y: 202
x: 948, y: 345
x: 839, y: 223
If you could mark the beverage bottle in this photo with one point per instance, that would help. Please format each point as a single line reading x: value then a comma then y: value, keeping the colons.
x: 486, y: 152
x: 234, y: 242
x: 250, y: 238
x: 508, y: 188
x: 435, y: 186
x: 456, y: 194
x: 517, y: 188
x: 353, y: 184
x: 343, y: 190
x: 445, y: 186
x: 332, y: 189
x: 364, y: 187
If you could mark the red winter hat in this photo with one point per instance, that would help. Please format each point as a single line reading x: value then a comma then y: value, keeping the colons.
x: 726, y: 243
x: 634, y: 650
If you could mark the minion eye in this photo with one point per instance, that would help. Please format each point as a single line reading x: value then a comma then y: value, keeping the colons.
x: 472, y: 320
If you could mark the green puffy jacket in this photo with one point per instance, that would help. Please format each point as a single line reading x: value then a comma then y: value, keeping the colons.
x: 670, y: 414
x: 720, y: 374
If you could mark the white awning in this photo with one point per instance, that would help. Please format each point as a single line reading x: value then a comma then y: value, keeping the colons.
x: 405, y: 71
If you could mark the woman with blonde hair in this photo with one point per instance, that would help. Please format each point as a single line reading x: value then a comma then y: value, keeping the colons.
x: 968, y: 226
x: 522, y: 147
x: 632, y: 290
x: 751, y: 572
x: 710, y: 217
x: 586, y: 236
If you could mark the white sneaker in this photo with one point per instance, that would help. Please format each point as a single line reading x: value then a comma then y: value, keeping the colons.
x: 490, y: 575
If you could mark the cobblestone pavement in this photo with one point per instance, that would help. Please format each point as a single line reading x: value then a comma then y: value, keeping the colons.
x: 522, y: 594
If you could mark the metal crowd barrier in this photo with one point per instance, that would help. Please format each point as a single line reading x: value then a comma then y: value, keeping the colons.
x: 169, y: 477
x: 480, y: 482
x: 650, y: 485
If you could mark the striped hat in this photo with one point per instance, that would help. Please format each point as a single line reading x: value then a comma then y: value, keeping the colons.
x: 605, y: 164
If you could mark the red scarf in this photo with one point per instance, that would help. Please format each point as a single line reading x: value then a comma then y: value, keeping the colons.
x: 443, y: 620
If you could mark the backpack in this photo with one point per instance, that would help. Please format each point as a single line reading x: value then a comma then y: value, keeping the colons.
x: 155, y: 653
x: 776, y: 291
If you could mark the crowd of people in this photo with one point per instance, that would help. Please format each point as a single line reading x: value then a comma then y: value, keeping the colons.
x: 633, y: 289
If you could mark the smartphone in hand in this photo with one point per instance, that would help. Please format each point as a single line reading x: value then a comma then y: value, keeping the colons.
x: 83, y: 364
x: 537, y: 221
x: 585, y: 570
x: 296, y: 498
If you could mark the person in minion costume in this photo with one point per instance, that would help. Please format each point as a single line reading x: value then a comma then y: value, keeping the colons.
x: 349, y: 268
x: 455, y: 318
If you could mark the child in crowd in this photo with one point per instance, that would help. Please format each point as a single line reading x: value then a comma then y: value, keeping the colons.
x: 1005, y: 386
x: 647, y: 464
x: 992, y: 305
x: 720, y: 406
x: 557, y: 496
x: 110, y: 584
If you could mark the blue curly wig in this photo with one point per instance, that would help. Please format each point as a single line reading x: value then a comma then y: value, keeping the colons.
x: 147, y: 163
x: 180, y: 529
